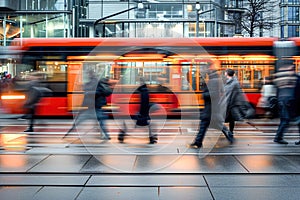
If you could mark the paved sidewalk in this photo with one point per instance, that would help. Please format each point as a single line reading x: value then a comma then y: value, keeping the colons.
x: 149, y: 177
x: 43, y: 165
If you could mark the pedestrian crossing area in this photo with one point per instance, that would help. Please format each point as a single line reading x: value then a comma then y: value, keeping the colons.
x: 50, y: 136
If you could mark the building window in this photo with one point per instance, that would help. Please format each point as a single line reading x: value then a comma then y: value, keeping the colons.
x: 44, y: 5
x: 166, y: 11
x: 282, y: 32
x: 293, y: 31
x: 294, y: 1
x: 293, y: 13
x: 45, y: 25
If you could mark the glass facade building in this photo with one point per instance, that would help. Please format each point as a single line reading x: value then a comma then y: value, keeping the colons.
x: 164, y: 18
x: 37, y: 19
x: 290, y: 19
x: 123, y: 18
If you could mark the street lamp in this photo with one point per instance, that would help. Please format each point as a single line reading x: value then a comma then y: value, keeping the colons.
x: 197, y: 6
x: 140, y: 5
x: 198, y: 13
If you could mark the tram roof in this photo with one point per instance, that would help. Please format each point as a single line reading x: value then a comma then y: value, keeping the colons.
x: 150, y: 42
x: 296, y: 40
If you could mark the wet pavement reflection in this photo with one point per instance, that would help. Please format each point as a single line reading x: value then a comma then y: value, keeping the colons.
x: 82, y: 166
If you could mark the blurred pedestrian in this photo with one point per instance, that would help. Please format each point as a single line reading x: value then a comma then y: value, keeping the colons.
x: 142, y: 117
x: 212, y: 93
x: 268, y: 99
x: 95, y: 93
x: 103, y: 90
x: 297, y: 108
x: 285, y: 81
x: 35, y: 92
x: 238, y: 107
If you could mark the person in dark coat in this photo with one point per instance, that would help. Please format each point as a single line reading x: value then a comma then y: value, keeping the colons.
x: 142, y: 118
x: 285, y: 81
x: 94, y: 99
x: 297, y: 108
x: 211, y: 116
x: 33, y: 97
x: 237, y: 104
x: 34, y: 94
x: 100, y: 101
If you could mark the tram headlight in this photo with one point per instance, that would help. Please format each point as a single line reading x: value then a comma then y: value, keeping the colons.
x: 12, y: 97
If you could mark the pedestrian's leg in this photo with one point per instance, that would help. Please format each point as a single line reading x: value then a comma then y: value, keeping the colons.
x: 204, y: 124
x: 284, y: 121
x: 81, y: 117
x: 152, y: 136
x: 122, y: 133
x: 101, y: 121
x: 31, y: 120
x: 228, y: 134
x: 231, y: 125
x: 280, y: 131
x: 73, y: 125
x: 298, y: 142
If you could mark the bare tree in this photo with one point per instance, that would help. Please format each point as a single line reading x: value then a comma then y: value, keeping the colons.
x: 259, y: 15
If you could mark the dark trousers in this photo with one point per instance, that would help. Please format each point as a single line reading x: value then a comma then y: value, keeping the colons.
x: 286, y: 114
x: 204, y: 124
x: 91, y: 114
x: 123, y: 130
x: 31, y: 117
x: 231, y: 125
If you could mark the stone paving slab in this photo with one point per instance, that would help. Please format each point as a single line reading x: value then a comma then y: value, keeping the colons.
x: 43, y: 180
x: 143, y: 180
x: 253, y: 180
x: 253, y: 193
x: 52, y: 168
x: 149, y: 164
x: 190, y: 187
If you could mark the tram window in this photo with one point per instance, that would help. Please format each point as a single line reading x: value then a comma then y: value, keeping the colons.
x: 129, y: 73
x: 53, y: 75
x: 153, y: 70
x: 194, y: 78
x: 245, y: 77
x: 55, y: 71
x: 101, y: 69
x: 184, y: 78
x: 202, y: 83
x: 258, y: 78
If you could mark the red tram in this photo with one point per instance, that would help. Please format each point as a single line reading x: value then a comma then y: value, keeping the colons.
x: 171, y: 66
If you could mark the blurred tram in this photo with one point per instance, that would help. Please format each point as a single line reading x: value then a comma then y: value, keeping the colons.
x: 172, y: 68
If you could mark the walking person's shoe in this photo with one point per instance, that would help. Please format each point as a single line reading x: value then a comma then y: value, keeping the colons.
x: 229, y: 136
x: 105, y: 138
x: 195, y: 145
x: 29, y: 130
x: 121, y: 136
x: 69, y: 131
x: 280, y: 141
x: 153, y: 139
